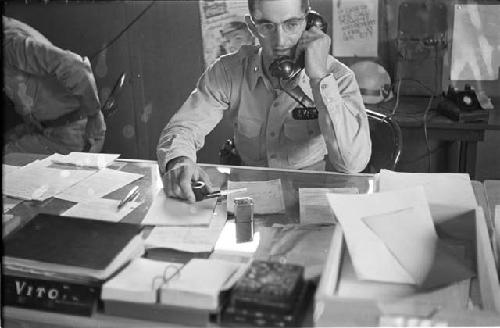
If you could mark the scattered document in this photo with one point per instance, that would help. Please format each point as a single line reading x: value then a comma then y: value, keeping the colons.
x: 448, y: 194
x: 391, y: 238
x: 314, y: 207
x: 101, y: 209
x: 301, y: 244
x: 91, y: 160
x: 188, y: 239
x: 198, y: 284
x: 267, y: 195
x: 139, y: 281
x: 166, y: 211
x: 100, y: 184
x: 34, y: 182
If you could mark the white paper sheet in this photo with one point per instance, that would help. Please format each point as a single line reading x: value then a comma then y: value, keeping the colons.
x: 6, y: 169
x: 355, y: 28
x: 101, y: 209
x: 267, y: 195
x: 448, y: 194
x: 34, y: 182
x: 371, y: 258
x: 138, y: 282
x: 314, y: 207
x: 188, y: 239
x: 166, y: 211
x: 92, y: 160
x: 100, y: 184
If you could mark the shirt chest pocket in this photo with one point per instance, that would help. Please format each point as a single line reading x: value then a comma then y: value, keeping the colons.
x: 247, y: 138
x: 297, y: 130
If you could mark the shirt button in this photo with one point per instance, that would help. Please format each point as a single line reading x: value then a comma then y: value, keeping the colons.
x: 324, y: 86
x: 256, y: 68
x: 272, y: 134
x: 273, y: 156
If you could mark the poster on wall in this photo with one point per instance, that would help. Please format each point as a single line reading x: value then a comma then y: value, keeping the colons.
x: 355, y: 28
x: 223, y: 27
x: 475, y: 48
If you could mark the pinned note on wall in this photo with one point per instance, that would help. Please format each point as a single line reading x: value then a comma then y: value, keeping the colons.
x: 355, y: 28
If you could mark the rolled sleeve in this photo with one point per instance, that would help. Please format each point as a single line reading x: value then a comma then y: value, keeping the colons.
x: 185, y: 133
x: 343, y: 122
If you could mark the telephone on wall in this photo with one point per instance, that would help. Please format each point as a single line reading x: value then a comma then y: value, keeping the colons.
x: 285, y: 67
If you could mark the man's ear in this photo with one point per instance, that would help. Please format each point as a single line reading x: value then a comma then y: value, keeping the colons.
x: 251, y: 25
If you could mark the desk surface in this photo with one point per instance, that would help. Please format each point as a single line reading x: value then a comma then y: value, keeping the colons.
x: 291, y: 181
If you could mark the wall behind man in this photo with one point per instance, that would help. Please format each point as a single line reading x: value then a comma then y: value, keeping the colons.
x: 163, y: 57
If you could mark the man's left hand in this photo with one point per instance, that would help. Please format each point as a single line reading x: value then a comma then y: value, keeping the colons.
x: 317, y: 47
x: 95, y: 132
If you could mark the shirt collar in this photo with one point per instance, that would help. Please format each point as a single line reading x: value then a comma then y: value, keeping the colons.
x: 255, y: 69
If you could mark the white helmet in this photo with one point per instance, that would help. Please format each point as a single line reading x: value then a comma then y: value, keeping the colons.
x: 373, y: 80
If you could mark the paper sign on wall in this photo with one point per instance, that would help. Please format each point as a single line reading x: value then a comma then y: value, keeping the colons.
x: 355, y: 28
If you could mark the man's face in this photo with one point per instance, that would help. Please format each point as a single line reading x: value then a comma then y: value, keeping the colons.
x: 235, y: 39
x: 280, y: 42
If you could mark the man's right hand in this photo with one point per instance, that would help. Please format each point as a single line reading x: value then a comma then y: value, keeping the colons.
x: 177, y: 179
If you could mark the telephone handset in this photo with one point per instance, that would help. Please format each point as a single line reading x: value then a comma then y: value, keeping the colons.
x: 284, y: 67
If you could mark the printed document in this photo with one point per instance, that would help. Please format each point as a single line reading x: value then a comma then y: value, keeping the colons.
x: 314, y: 207
x: 100, y: 184
x: 267, y: 195
x: 33, y: 182
x: 166, y: 211
x: 101, y: 209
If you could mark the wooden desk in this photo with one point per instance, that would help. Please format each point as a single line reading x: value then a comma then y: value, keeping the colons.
x: 291, y: 181
x: 409, y: 115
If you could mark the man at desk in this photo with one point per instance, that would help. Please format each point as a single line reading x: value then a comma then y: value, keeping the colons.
x: 54, y: 91
x: 266, y: 134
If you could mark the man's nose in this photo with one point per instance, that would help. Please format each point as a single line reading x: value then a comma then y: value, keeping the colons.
x: 280, y: 35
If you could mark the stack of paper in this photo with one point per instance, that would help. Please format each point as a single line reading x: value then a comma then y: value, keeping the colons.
x: 199, y: 283
x: 35, y: 182
x: 90, y: 160
x: 139, y: 281
x: 166, y: 211
x: 101, y: 209
x: 391, y: 238
x: 449, y: 194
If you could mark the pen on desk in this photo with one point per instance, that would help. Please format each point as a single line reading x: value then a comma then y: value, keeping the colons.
x: 130, y: 196
x: 224, y: 192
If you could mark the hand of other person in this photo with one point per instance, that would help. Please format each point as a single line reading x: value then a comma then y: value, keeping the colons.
x: 177, y: 179
x: 316, y: 44
x: 95, y: 132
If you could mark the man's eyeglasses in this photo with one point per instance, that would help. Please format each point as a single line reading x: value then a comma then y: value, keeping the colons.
x: 291, y: 26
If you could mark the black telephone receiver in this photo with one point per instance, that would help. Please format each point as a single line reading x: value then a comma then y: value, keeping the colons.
x: 284, y: 67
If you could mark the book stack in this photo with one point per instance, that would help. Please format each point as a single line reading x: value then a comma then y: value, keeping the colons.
x: 59, y: 264
x: 170, y: 292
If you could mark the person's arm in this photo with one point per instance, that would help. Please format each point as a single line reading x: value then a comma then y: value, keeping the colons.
x: 42, y: 59
x: 342, y: 115
x: 185, y: 133
x: 343, y: 121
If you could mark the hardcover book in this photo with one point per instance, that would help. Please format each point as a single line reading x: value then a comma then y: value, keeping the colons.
x: 58, y: 263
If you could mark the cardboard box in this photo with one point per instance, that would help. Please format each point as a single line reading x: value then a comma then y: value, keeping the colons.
x: 342, y: 300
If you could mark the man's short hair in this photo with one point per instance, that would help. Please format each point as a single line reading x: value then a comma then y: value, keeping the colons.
x: 251, y: 5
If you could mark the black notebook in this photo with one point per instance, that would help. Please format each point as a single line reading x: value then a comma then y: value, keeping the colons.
x: 72, y: 246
